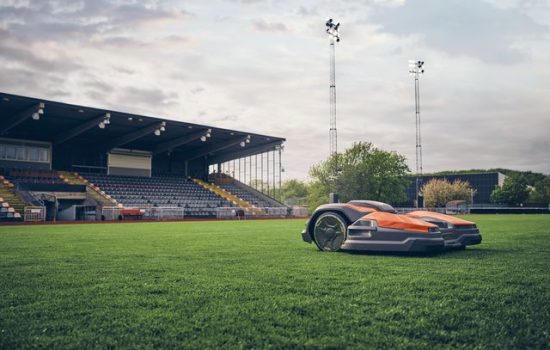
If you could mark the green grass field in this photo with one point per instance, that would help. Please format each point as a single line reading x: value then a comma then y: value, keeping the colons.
x: 255, y: 284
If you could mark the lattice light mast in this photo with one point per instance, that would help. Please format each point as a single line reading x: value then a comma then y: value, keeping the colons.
x: 416, y: 69
x: 333, y: 36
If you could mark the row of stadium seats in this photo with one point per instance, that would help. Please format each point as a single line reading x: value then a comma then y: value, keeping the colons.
x: 33, y: 176
x: 8, y: 213
x: 162, y: 191
x: 248, y: 196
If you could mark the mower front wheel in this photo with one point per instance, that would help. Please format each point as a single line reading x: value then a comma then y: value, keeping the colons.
x: 330, y: 231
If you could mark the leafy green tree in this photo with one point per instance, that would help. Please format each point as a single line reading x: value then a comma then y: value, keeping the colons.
x: 294, y: 192
x: 541, y: 191
x: 361, y: 172
x: 317, y: 195
x: 514, y: 191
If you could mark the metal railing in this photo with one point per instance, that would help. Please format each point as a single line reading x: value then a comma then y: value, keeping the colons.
x: 299, y: 211
x: 164, y: 213
x: 234, y: 212
x: 481, y: 209
x: 34, y: 214
x: 176, y: 213
x: 227, y: 212
x: 408, y: 210
x: 148, y: 213
x: 27, y: 196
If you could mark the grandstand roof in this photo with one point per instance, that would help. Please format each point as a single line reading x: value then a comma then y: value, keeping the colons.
x: 64, y: 123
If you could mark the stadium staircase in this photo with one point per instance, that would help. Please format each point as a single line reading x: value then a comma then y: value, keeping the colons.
x: 12, y: 206
x: 93, y: 192
x: 230, y: 197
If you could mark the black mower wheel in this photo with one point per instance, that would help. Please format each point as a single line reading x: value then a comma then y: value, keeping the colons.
x: 330, y: 231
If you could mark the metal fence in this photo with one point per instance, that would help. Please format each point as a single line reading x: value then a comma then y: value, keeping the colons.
x: 276, y: 211
x: 300, y: 212
x: 111, y: 213
x: 483, y: 209
x: 233, y: 212
x: 226, y: 212
x: 149, y: 213
x: 34, y: 214
x: 175, y: 213
x: 408, y: 210
x: 164, y: 213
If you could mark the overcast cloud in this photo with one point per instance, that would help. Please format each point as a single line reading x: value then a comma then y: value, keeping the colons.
x: 262, y: 66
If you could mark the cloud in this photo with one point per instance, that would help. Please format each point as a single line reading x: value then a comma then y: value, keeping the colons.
x: 63, y: 20
x: 148, y: 96
x: 197, y: 90
x: 307, y: 12
x: 152, y: 57
x: 46, y: 59
x: 462, y: 27
x: 267, y: 26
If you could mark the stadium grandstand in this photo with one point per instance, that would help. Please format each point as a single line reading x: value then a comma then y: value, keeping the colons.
x: 60, y: 161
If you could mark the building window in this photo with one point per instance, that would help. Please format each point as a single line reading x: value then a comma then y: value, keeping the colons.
x: 43, y: 155
x: 10, y: 152
x: 20, y: 153
x: 33, y: 154
x: 24, y: 153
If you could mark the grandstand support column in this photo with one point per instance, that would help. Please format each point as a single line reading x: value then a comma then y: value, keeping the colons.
x: 262, y: 171
x: 250, y: 170
x: 273, y: 175
x: 267, y: 173
x: 280, y: 172
x: 256, y: 169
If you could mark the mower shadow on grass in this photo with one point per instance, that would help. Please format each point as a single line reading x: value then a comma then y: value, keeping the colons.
x: 396, y: 254
x: 478, y: 251
x: 451, y: 253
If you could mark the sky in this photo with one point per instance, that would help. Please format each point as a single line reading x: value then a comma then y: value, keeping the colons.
x: 263, y: 66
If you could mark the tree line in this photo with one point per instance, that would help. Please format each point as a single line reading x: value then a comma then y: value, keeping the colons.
x: 366, y: 172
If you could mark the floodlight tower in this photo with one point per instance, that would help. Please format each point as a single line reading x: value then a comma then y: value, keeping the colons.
x: 333, y: 36
x: 416, y: 69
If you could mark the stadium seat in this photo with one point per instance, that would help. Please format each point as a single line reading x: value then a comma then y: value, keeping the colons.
x: 159, y: 191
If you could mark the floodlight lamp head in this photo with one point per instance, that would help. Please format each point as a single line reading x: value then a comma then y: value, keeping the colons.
x: 157, y: 132
x: 36, y: 116
x: 203, y: 138
x: 242, y: 143
x: 332, y: 31
x: 101, y: 125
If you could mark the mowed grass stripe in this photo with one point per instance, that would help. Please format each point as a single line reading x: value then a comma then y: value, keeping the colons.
x: 254, y: 284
